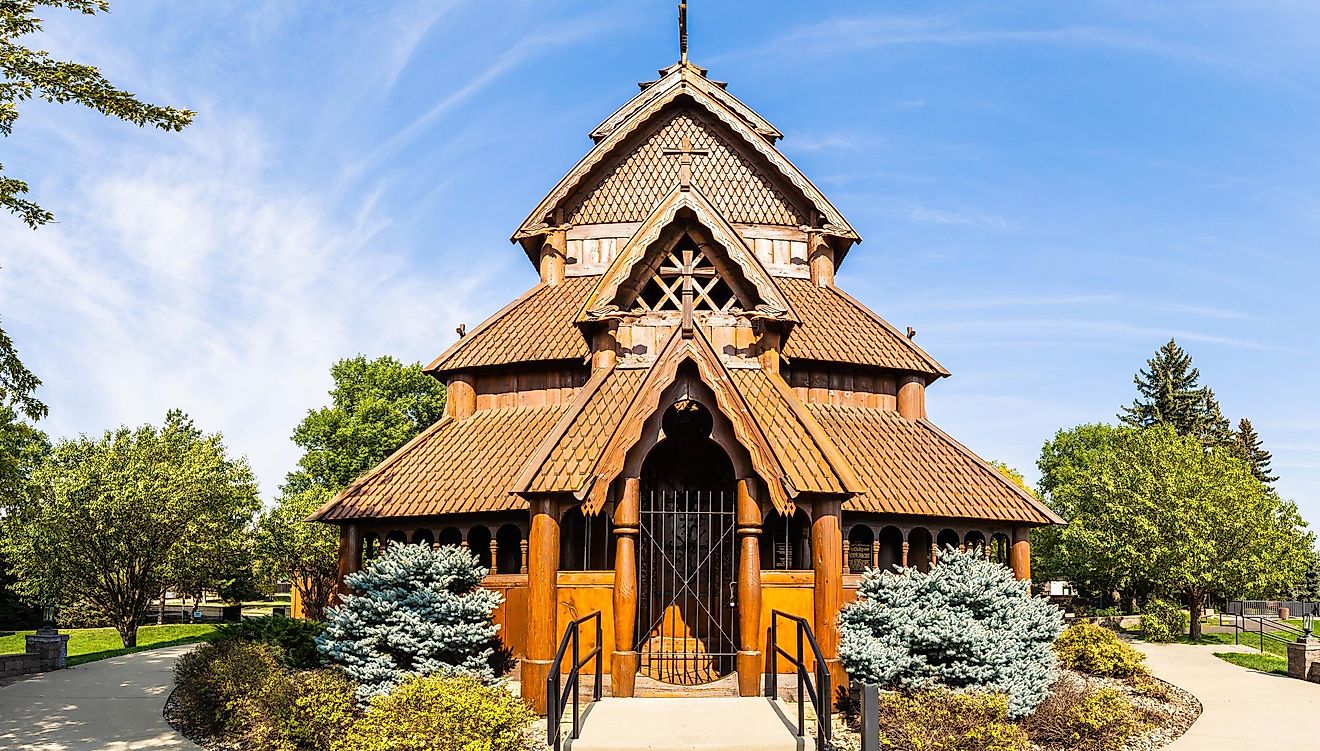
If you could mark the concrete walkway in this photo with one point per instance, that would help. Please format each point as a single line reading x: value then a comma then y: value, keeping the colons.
x: 1243, y: 710
x: 110, y: 705
x: 708, y: 724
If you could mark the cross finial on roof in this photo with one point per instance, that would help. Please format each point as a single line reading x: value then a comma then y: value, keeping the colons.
x: 682, y: 31
x: 685, y: 152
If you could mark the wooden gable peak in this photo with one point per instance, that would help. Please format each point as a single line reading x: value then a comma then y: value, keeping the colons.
x: 545, y: 217
x: 679, y: 76
x: 637, y: 261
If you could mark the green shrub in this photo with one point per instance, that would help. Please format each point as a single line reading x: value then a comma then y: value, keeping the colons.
x: 414, y: 611
x: 967, y: 624
x: 218, y: 681
x: 1088, y: 648
x: 1081, y: 717
x: 295, y: 638
x: 439, y: 713
x: 1163, y: 621
x: 310, y: 710
x: 948, y: 720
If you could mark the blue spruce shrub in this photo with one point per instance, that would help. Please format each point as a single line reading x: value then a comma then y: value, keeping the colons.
x: 414, y: 612
x: 966, y: 625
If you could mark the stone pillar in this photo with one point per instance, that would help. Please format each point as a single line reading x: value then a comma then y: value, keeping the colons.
x: 542, y: 601
x: 912, y: 397
x: 460, y: 396
x: 749, y: 591
x: 1020, y: 556
x: 553, y: 256
x: 623, y: 662
x: 350, y: 556
x: 50, y: 647
x: 1303, y: 659
x: 826, y: 549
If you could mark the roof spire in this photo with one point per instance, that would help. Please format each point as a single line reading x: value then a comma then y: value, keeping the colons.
x: 682, y: 31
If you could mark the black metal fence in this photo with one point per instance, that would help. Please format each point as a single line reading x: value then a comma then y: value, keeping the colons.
x: 1271, y: 608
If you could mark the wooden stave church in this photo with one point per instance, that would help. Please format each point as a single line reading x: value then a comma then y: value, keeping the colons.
x: 686, y: 336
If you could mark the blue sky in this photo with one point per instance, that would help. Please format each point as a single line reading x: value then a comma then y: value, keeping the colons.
x: 1047, y: 191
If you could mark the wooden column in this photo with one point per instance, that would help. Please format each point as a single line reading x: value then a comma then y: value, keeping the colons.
x: 912, y: 397
x: 771, y: 341
x: 542, y: 601
x: 460, y: 397
x: 623, y: 663
x: 826, y: 559
x: 906, y: 545
x: 553, y: 256
x: 820, y: 259
x: 604, y: 346
x: 350, y: 556
x: 1020, y: 558
x: 749, y: 591
x: 875, y: 552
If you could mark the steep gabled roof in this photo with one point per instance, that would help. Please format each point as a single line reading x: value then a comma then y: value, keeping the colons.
x: 588, y: 448
x: 454, y: 466
x: 773, y: 304
x: 912, y: 467
x: 537, y: 326
x: 834, y: 327
x: 678, y: 76
x: 714, y: 104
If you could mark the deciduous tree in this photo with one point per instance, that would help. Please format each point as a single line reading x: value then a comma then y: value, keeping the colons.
x: 27, y: 74
x: 304, y: 553
x: 376, y: 406
x: 106, y: 514
x: 1152, y: 506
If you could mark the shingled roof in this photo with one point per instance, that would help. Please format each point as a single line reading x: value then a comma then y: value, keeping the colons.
x: 836, y: 328
x: 454, y: 466
x: 912, y: 467
x: 536, y: 326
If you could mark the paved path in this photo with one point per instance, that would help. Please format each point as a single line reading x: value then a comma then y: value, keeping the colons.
x: 672, y: 724
x: 110, y: 705
x: 1243, y: 710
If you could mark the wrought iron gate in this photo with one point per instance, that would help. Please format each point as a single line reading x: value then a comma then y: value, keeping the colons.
x: 686, y: 614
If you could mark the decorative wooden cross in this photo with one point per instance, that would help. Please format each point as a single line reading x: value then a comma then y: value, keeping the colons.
x: 687, y: 272
x: 685, y: 152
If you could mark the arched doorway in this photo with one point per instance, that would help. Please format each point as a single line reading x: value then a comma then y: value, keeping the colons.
x: 687, y: 554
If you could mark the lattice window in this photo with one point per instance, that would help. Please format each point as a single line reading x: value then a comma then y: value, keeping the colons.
x: 686, y: 270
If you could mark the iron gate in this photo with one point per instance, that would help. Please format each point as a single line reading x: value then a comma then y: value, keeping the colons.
x: 687, y: 556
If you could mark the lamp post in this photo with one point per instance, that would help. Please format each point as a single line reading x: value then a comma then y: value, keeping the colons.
x: 1308, y: 626
x: 48, y: 617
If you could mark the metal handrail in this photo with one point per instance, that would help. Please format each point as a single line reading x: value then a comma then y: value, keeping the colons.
x: 1277, y: 626
x: 819, y: 691
x: 555, y: 701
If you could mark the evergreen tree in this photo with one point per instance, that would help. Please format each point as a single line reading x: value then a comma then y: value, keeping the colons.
x: 1248, y: 444
x: 966, y: 625
x: 1169, y: 393
x: 1307, y: 588
x: 415, y: 611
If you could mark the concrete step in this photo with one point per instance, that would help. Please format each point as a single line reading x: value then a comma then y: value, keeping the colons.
x: 687, y: 724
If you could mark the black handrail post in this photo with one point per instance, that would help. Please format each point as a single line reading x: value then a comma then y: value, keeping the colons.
x: 801, y: 669
x: 600, y: 656
x: 574, y: 678
x: 772, y: 661
x: 824, y: 713
x: 552, y: 711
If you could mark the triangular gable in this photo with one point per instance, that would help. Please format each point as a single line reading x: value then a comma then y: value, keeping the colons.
x: 685, y: 76
x: 626, y: 431
x: 602, y: 299
x: 539, y: 220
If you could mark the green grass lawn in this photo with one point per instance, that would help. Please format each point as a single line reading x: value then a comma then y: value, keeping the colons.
x: 1265, y: 663
x: 91, y: 644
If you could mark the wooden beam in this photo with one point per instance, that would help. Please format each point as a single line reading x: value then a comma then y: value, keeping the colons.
x: 826, y: 561
x: 749, y: 591
x: 554, y: 249
x: 624, y: 662
x: 542, y: 601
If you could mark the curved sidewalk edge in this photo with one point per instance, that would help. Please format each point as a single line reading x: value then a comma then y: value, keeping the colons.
x: 109, y: 705
x: 1242, y: 710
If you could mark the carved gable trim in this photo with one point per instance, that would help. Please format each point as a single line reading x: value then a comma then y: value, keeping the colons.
x: 603, y: 300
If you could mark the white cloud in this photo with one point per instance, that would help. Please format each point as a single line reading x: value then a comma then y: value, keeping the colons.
x: 194, y: 278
